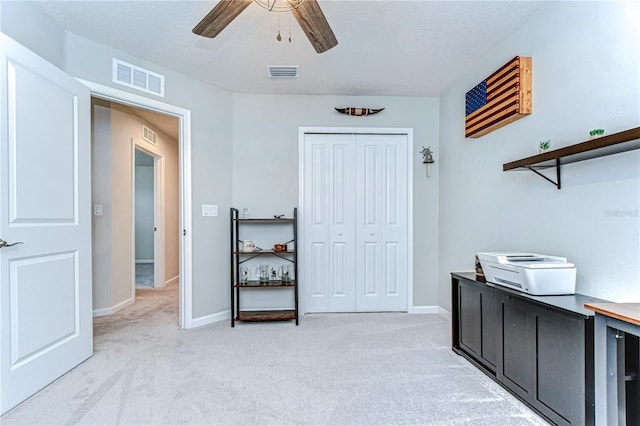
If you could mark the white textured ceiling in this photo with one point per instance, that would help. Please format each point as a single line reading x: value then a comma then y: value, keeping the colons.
x: 397, y: 48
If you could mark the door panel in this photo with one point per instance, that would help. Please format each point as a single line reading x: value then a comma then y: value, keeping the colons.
x: 329, y: 234
x: 381, y: 212
x: 30, y: 336
x: 45, y: 283
x: 392, y: 261
x: 518, y: 362
x: 33, y: 199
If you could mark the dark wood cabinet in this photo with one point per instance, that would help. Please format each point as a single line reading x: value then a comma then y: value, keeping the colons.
x: 540, y: 348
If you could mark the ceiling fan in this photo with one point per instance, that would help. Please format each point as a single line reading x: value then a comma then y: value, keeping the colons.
x: 307, y: 13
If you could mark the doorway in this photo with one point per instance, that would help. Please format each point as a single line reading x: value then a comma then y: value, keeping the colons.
x: 133, y: 150
x: 355, y: 198
x: 183, y: 190
x: 149, y: 242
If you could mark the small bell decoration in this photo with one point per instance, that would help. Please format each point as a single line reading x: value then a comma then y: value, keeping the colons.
x: 428, y: 158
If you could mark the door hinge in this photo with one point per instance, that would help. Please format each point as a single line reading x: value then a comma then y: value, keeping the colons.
x: 184, y: 232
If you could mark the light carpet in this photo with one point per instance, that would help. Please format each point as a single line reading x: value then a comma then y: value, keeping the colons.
x: 333, y: 369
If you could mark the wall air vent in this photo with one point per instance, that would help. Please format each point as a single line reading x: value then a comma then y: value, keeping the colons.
x: 137, y: 78
x: 149, y: 135
x: 283, y: 71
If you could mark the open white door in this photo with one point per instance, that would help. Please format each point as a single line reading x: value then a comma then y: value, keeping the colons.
x: 45, y: 202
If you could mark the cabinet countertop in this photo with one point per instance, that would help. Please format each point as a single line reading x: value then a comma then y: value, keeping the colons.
x: 627, y: 312
x: 574, y: 303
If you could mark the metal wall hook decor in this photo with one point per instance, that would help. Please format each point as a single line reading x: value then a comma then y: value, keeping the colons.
x: 427, y: 158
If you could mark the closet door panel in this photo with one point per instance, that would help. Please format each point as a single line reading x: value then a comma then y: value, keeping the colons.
x: 381, y: 228
x: 329, y: 233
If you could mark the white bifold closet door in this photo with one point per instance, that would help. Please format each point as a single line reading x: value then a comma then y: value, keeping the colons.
x: 355, y: 222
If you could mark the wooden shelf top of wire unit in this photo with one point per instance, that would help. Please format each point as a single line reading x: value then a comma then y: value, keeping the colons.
x: 255, y: 252
x: 269, y: 284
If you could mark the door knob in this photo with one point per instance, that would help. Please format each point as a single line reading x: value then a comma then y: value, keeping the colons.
x: 4, y: 244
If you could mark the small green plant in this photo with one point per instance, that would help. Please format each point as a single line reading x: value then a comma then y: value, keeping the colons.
x: 596, y: 132
x: 545, y: 145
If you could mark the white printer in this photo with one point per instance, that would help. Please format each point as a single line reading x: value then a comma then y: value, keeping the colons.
x: 531, y: 273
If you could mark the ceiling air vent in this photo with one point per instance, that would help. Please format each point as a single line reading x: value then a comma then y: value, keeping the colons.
x: 137, y: 78
x: 283, y: 71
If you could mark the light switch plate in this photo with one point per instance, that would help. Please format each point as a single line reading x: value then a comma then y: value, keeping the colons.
x: 209, y: 210
x: 97, y: 209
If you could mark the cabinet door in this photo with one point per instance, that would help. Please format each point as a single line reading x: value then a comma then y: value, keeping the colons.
x: 490, y: 326
x: 470, y: 319
x: 518, y: 347
x: 478, y: 326
x: 561, y: 366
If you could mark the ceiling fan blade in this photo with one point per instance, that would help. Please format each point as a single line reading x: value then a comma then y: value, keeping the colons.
x: 315, y: 25
x: 219, y: 17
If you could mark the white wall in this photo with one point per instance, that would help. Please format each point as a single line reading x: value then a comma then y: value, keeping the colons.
x: 211, y: 132
x: 28, y: 25
x: 101, y: 184
x: 585, y: 75
x: 586, y: 59
x: 265, y: 160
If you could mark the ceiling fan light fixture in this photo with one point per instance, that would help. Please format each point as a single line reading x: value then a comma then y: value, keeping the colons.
x: 279, y: 5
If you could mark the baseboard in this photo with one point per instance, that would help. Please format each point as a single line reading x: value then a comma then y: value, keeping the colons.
x: 425, y: 309
x: 444, y: 313
x: 113, y: 309
x: 172, y: 280
x: 210, y: 319
x: 144, y: 261
x: 433, y: 309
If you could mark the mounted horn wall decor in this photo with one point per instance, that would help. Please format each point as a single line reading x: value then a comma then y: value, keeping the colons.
x: 358, y: 111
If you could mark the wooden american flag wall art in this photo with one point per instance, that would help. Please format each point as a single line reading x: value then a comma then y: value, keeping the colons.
x: 502, y: 98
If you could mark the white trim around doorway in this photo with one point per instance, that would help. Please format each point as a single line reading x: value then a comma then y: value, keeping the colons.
x: 184, y: 144
x: 359, y: 130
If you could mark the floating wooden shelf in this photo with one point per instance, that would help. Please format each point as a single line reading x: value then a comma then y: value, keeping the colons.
x: 615, y: 143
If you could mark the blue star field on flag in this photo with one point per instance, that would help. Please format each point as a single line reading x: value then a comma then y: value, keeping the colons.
x: 476, y: 98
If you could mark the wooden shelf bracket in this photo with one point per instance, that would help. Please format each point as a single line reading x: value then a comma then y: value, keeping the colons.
x: 557, y: 182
